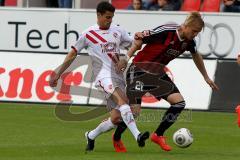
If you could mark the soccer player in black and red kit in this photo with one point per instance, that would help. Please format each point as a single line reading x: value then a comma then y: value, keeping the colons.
x: 146, y: 74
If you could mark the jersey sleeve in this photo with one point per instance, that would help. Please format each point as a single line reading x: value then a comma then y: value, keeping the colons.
x: 80, y: 43
x: 159, y: 34
x: 192, y: 47
x: 154, y: 35
x: 126, y: 40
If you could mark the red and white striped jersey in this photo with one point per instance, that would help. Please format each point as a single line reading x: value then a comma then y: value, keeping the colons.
x: 102, y: 46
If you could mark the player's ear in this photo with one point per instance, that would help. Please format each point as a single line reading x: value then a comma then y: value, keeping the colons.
x: 184, y: 27
x: 98, y: 14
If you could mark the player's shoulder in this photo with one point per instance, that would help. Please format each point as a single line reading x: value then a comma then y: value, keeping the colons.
x: 117, y: 27
x: 91, y: 28
x: 171, y: 26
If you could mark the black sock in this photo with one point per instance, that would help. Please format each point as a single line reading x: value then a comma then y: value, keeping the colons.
x: 118, y: 132
x: 170, y: 117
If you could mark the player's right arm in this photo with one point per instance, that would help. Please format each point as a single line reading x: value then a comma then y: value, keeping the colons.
x: 72, y: 54
x: 140, y: 38
x: 66, y: 63
x: 146, y: 37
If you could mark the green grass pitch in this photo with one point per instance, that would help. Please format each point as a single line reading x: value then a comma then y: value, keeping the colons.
x: 33, y: 132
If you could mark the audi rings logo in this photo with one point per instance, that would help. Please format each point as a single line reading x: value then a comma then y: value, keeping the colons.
x: 218, y: 40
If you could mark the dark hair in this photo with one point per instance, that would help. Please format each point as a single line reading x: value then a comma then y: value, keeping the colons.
x: 104, y: 6
x: 138, y: 0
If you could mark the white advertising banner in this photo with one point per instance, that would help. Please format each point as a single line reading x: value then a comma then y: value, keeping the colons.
x: 24, y: 77
x: 189, y: 81
x: 45, y: 30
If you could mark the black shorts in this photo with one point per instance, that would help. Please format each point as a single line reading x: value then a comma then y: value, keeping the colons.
x: 140, y: 82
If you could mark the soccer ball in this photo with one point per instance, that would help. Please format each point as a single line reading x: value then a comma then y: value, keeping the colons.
x: 183, y: 138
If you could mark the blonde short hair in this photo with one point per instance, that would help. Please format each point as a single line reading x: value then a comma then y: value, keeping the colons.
x: 194, y: 18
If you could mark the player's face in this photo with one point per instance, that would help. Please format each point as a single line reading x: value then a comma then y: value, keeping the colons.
x: 105, y: 19
x: 137, y: 4
x: 162, y: 3
x: 191, y: 32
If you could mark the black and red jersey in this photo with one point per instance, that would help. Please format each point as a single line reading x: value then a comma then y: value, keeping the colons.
x: 163, y: 44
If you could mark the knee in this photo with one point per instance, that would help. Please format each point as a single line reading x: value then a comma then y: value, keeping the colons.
x: 116, y: 119
x: 180, y: 105
x: 136, y: 110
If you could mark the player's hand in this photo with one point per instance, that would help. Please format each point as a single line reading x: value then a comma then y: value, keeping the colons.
x: 138, y: 35
x: 121, y: 65
x: 53, y: 80
x: 211, y: 84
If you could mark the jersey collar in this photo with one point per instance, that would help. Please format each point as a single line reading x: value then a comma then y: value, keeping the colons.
x: 180, y: 39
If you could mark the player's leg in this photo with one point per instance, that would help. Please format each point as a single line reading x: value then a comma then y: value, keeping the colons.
x: 105, y: 126
x: 116, y: 138
x: 109, y: 123
x: 134, y: 94
x: 163, y: 87
x: 115, y: 114
x: 127, y: 116
x: 177, y: 105
x: 121, y: 127
x: 115, y: 118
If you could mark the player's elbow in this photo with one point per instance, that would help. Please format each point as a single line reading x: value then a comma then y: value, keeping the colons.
x: 72, y: 54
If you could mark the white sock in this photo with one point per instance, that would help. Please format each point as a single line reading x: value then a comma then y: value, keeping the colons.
x: 128, y: 119
x: 105, y: 126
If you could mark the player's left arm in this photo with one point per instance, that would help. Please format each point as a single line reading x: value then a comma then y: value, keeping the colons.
x: 126, y: 43
x: 198, y: 60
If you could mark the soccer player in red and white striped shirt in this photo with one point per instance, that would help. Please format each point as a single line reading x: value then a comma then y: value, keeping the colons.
x: 103, y: 42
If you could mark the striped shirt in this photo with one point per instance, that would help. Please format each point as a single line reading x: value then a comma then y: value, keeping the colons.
x: 163, y: 44
x: 102, y: 46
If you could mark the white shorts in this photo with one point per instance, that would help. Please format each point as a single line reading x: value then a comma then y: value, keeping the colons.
x: 107, y: 87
